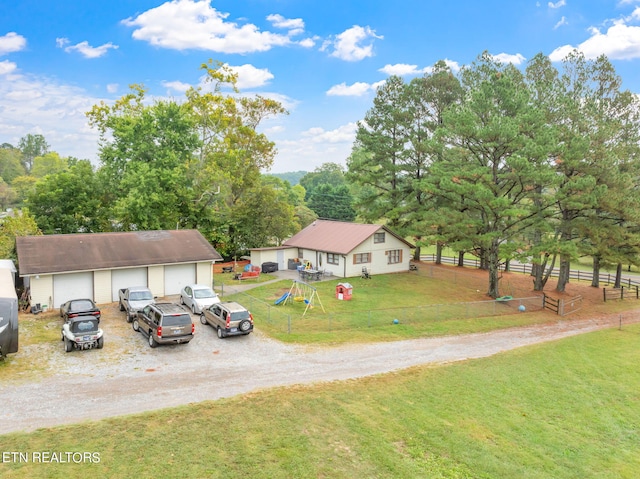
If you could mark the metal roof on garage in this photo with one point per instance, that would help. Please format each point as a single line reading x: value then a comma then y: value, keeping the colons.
x: 94, y: 251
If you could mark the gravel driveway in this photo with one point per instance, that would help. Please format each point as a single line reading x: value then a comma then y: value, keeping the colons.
x: 129, y: 377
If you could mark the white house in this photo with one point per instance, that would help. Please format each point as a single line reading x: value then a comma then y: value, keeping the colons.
x: 96, y: 265
x: 342, y: 248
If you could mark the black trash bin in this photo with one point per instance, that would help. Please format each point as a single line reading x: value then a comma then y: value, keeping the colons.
x: 269, y: 267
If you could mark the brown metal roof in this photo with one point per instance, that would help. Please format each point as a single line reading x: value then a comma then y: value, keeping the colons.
x: 92, y: 251
x: 336, y: 236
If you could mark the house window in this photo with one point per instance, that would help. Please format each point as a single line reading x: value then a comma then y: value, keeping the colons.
x: 361, y: 258
x: 378, y: 237
x: 394, y: 256
x: 300, y: 253
x: 333, y: 258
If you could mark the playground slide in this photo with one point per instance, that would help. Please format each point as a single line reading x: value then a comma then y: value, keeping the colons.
x: 282, y: 298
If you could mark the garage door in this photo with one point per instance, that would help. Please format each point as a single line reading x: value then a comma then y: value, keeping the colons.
x: 123, y: 278
x: 177, y: 276
x: 71, y: 286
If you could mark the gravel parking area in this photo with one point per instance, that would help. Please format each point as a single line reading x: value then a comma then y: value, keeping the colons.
x: 127, y: 376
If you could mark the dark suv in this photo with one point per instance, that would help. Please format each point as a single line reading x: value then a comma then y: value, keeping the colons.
x: 228, y: 318
x: 164, y: 323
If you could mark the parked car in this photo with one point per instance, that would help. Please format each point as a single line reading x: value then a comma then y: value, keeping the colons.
x: 133, y: 299
x: 198, y: 297
x: 82, y: 332
x: 164, y: 323
x: 228, y: 318
x: 79, y: 307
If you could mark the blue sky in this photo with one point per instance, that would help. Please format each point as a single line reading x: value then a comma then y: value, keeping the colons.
x: 321, y: 59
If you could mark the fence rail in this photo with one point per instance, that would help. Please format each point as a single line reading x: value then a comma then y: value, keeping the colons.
x: 606, y: 278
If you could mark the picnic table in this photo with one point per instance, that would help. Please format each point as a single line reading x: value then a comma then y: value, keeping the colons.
x: 310, y: 274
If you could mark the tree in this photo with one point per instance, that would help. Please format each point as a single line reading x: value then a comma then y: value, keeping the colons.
x: 22, y: 224
x: 32, y: 146
x: 329, y: 202
x: 494, y: 158
x: 48, y: 164
x: 10, y: 165
x: 69, y: 201
x: 144, y: 152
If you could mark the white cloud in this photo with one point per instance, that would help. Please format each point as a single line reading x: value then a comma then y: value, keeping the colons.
x: 354, y: 44
x: 194, y: 24
x: 12, y: 42
x: 84, y: 48
x: 558, y: 4
x: 357, y: 89
x: 561, y: 22
x: 307, y: 42
x: 294, y: 25
x: 112, y: 87
x: 176, y: 86
x: 314, y: 147
x: 402, y: 69
x: 516, y: 59
x: 7, y: 67
x: 620, y: 42
x: 32, y: 104
x: 250, y: 76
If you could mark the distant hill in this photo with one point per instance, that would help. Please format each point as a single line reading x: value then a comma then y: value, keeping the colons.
x: 293, y: 177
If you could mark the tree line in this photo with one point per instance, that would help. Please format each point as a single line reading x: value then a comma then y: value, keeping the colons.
x: 167, y: 164
x: 539, y: 165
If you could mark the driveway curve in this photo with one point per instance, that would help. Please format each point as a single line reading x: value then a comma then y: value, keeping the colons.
x: 86, y: 387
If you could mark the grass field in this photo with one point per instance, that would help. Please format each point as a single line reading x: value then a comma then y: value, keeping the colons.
x: 437, y: 301
x: 567, y: 409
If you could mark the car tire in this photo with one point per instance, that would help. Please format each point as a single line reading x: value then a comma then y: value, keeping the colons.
x: 220, y: 334
x: 203, y: 319
x: 67, y: 346
x: 100, y: 343
x: 129, y: 317
x: 121, y: 307
x: 152, y: 342
x: 135, y: 325
x: 244, y: 325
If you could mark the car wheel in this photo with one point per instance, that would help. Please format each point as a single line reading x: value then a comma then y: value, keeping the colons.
x: 152, y: 342
x: 100, y: 342
x: 245, y: 325
x: 135, y: 325
x: 121, y: 307
x: 203, y: 320
x: 220, y: 335
x: 129, y: 318
x: 68, y: 346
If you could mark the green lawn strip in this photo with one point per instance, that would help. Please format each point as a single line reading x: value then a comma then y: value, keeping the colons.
x: 423, y: 306
x: 566, y: 409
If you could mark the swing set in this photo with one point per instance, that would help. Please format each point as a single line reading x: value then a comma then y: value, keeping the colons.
x: 302, y: 292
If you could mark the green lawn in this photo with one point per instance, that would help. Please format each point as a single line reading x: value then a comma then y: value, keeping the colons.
x: 566, y: 409
x: 423, y: 306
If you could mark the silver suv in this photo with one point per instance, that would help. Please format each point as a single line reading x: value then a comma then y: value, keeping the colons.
x: 228, y: 318
x: 164, y: 323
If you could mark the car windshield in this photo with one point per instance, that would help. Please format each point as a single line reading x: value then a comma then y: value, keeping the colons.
x: 82, y: 305
x: 140, y: 295
x: 203, y: 293
x: 82, y: 327
x: 238, y: 315
x: 176, y: 320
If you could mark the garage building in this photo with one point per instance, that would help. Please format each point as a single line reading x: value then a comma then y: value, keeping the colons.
x: 96, y: 265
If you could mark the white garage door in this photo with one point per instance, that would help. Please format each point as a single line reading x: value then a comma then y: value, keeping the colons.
x: 71, y: 286
x: 123, y: 278
x: 177, y: 276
